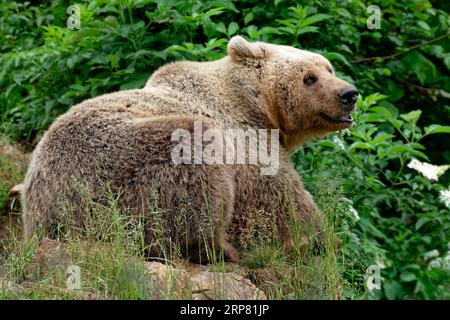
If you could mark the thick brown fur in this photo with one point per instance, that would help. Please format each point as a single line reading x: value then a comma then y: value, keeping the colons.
x: 123, y: 140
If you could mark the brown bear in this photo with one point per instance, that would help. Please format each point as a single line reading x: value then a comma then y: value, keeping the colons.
x: 125, y: 140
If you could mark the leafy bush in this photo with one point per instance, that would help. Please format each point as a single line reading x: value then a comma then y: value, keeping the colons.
x: 394, y: 217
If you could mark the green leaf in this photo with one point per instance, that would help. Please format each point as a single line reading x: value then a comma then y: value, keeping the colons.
x: 372, y: 117
x: 114, y: 59
x: 396, y: 123
x: 358, y: 135
x: 248, y: 18
x: 326, y: 143
x: 424, y: 69
x: 423, y: 25
x: 360, y: 145
x: 394, y: 91
x: 220, y: 27
x: 382, y: 137
x: 412, y: 116
x: 446, y: 59
x: 437, y: 128
x: 225, y: 5
x: 427, y: 239
x: 417, y: 146
x: 307, y: 30
x: 401, y: 148
x: 336, y: 56
x: 214, y: 12
x: 314, y: 19
x: 421, y: 222
x: 71, y: 61
x: 367, y: 102
x: 392, y: 290
x: 408, y: 276
x: 138, y: 81
x: 344, y: 12
x: 384, y: 112
x: 444, y: 93
x: 232, y: 28
x: 419, y: 154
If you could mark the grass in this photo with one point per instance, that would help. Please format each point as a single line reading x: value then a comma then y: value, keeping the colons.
x: 13, y: 164
x: 111, y: 255
x: 306, y: 272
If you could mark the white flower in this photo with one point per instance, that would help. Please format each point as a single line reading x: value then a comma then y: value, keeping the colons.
x: 434, y: 264
x: 431, y: 254
x: 429, y: 171
x: 338, y: 141
x: 438, y: 262
x: 354, y: 212
x: 444, y: 196
x: 447, y: 257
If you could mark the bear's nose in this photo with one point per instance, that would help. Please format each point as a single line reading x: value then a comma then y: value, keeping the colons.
x: 348, y: 98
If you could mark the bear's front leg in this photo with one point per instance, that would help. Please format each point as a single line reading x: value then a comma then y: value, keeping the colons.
x: 268, y: 207
x: 303, y: 222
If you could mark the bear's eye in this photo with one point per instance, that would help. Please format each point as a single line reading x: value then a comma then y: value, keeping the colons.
x: 309, y: 80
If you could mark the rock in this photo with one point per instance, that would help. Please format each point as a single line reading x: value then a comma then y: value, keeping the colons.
x: 225, y: 286
x: 203, y: 284
x: 50, y: 255
x: 6, y: 285
x: 27, y: 286
x: 10, y: 286
x: 165, y: 281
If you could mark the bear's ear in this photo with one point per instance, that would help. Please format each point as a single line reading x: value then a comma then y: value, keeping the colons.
x: 242, y: 51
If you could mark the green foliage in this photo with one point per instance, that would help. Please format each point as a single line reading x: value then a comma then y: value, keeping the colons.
x: 394, y: 216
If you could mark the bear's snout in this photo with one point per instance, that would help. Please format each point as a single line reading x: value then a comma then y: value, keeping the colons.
x: 348, y: 97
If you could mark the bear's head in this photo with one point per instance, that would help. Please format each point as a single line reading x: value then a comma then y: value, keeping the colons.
x: 303, y: 96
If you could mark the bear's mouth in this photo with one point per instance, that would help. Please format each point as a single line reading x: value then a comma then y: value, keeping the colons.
x: 347, y: 119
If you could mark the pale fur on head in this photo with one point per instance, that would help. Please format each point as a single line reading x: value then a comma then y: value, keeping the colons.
x: 293, y: 107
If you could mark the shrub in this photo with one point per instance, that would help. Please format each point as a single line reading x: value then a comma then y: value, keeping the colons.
x: 393, y: 215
